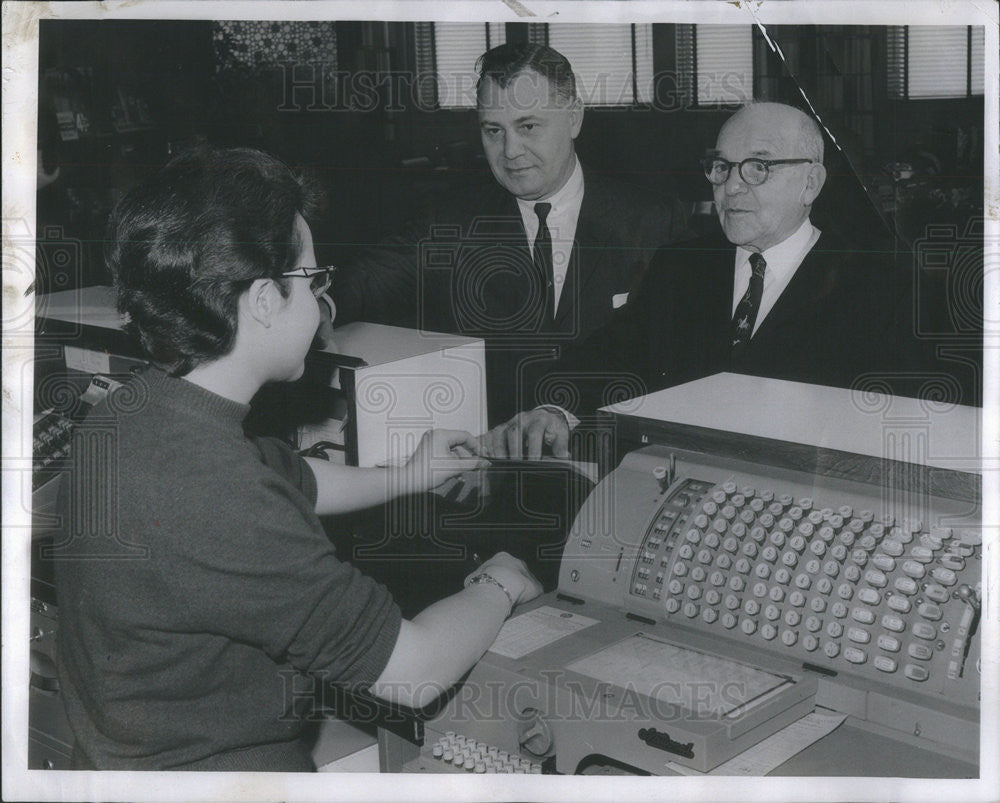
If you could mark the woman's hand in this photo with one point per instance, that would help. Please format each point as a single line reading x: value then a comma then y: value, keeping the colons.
x: 440, y: 455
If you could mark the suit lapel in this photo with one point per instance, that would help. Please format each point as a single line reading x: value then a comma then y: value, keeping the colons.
x: 591, y: 250
x: 499, y: 222
x: 694, y: 310
x: 808, y: 289
x: 719, y: 276
x: 496, y: 236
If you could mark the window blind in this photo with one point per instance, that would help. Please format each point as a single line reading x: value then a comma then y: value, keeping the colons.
x: 724, y: 64
x: 601, y: 57
x: 896, y: 61
x: 457, y: 46
x: 423, y: 46
x: 684, y: 49
x: 933, y: 62
x: 977, y: 61
x: 937, y: 61
x: 644, y: 63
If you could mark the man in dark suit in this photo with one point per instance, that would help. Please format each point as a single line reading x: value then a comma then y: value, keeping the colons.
x: 532, y: 262
x: 789, y: 301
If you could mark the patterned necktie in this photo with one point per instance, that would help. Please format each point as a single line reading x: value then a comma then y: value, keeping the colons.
x: 746, y: 311
x: 541, y: 256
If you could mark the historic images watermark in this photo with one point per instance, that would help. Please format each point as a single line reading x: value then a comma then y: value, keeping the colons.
x: 564, y: 697
x: 317, y: 86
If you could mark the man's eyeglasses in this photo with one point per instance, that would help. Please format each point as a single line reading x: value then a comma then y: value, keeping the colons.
x: 753, y: 171
x: 319, y: 278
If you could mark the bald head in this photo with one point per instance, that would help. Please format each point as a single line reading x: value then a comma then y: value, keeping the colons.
x: 797, y: 127
x: 759, y: 216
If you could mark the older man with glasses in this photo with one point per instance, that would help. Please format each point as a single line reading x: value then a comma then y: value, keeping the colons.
x: 788, y: 301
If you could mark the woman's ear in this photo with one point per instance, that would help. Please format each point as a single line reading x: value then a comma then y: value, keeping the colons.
x: 261, y: 301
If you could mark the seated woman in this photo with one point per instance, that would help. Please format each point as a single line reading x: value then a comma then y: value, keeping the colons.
x: 198, y: 592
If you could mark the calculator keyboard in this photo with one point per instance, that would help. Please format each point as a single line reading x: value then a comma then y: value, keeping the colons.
x: 53, y: 431
x: 50, y: 446
x: 457, y: 751
x: 836, y: 586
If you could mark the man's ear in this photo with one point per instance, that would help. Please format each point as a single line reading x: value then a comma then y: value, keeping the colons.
x: 815, y: 180
x: 575, y: 117
x: 261, y: 301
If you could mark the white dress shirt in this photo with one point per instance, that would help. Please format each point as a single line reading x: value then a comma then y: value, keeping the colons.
x: 782, y: 261
x: 561, y: 221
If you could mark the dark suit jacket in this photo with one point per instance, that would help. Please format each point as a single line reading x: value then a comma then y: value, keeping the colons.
x: 468, y: 270
x: 841, y: 317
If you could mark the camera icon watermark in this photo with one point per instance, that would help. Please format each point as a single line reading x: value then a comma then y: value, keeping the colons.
x: 485, y: 275
x: 45, y: 264
x: 950, y: 272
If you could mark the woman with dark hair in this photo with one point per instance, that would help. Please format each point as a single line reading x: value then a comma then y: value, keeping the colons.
x: 198, y: 591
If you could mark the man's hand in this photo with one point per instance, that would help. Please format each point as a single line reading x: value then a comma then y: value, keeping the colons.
x: 526, y: 433
x: 441, y: 455
x: 514, y: 574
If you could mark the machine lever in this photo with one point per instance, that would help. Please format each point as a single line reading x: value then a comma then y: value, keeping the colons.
x: 662, y: 741
x: 966, y: 627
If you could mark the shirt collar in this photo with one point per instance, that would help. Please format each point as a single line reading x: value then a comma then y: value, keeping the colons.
x: 566, y: 195
x: 784, y: 252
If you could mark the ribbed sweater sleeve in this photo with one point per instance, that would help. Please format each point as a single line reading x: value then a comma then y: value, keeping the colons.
x: 261, y: 570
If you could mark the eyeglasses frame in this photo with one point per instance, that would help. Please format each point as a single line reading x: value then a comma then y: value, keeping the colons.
x: 312, y: 272
x: 708, y: 161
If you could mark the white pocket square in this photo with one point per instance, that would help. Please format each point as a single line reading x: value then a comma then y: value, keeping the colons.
x: 619, y: 300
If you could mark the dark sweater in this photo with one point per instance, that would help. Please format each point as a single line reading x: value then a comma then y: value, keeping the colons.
x: 199, y: 596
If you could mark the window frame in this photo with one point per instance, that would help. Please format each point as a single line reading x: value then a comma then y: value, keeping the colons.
x: 431, y: 51
x: 539, y: 33
x: 900, y: 73
x: 688, y: 72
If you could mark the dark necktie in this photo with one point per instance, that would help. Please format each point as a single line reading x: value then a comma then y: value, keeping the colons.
x: 541, y: 256
x: 746, y: 311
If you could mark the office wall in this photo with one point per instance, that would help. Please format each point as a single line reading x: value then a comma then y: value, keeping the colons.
x: 148, y: 89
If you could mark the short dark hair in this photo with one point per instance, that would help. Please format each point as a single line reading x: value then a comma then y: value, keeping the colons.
x: 183, y: 245
x: 505, y: 62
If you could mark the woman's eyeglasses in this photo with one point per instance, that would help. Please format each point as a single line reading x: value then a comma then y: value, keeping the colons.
x: 319, y: 278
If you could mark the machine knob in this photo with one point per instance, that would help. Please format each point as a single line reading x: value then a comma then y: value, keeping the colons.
x: 43, y: 672
x: 664, y: 475
x: 535, y: 736
x: 966, y: 593
x: 660, y: 475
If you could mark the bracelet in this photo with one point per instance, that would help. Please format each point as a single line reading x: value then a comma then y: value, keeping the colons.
x: 484, y: 577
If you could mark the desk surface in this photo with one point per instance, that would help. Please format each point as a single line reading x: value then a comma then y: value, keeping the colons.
x: 379, y: 344
x: 855, y: 421
x: 90, y: 306
x: 851, y: 751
